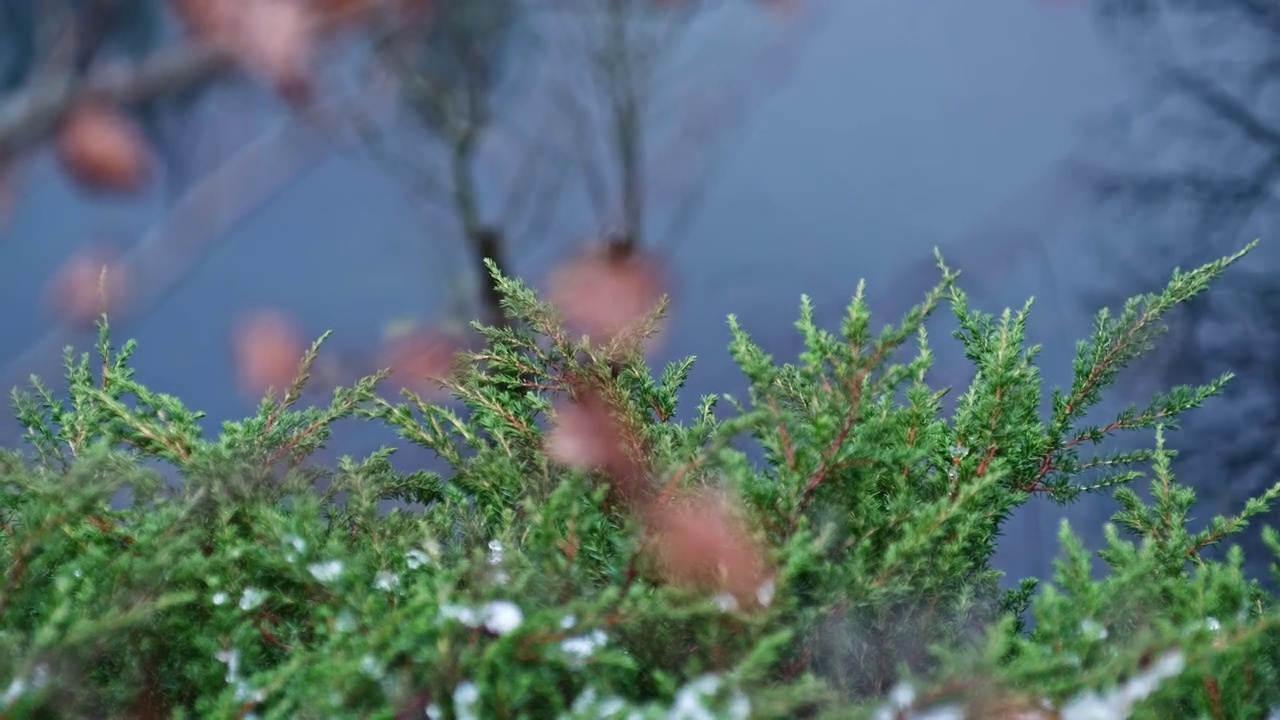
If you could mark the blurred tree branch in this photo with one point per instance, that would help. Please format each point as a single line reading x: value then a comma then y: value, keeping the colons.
x: 1224, y: 105
x: 30, y: 115
x: 447, y: 73
x: 622, y: 42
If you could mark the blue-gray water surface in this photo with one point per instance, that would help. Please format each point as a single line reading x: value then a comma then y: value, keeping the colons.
x: 905, y: 126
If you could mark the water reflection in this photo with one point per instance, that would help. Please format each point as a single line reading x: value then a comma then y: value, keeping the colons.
x: 902, y: 126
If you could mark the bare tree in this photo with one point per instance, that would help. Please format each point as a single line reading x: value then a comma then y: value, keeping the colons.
x: 561, y: 95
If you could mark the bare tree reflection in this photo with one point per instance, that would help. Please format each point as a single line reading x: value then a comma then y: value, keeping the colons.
x: 1194, y: 172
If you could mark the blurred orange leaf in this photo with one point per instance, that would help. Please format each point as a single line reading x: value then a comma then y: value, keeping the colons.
x: 605, y: 291
x: 272, y: 39
x: 103, y: 150
x: 267, y: 347
x: 703, y: 544
x: 90, y: 283
x: 421, y: 359
x: 586, y: 435
x: 275, y: 39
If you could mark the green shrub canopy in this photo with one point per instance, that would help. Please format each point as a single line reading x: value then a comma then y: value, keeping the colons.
x: 588, y: 556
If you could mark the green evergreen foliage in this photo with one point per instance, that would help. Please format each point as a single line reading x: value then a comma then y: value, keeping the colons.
x: 532, y: 580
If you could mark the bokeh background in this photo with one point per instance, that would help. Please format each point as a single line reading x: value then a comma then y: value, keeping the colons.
x: 1076, y: 151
